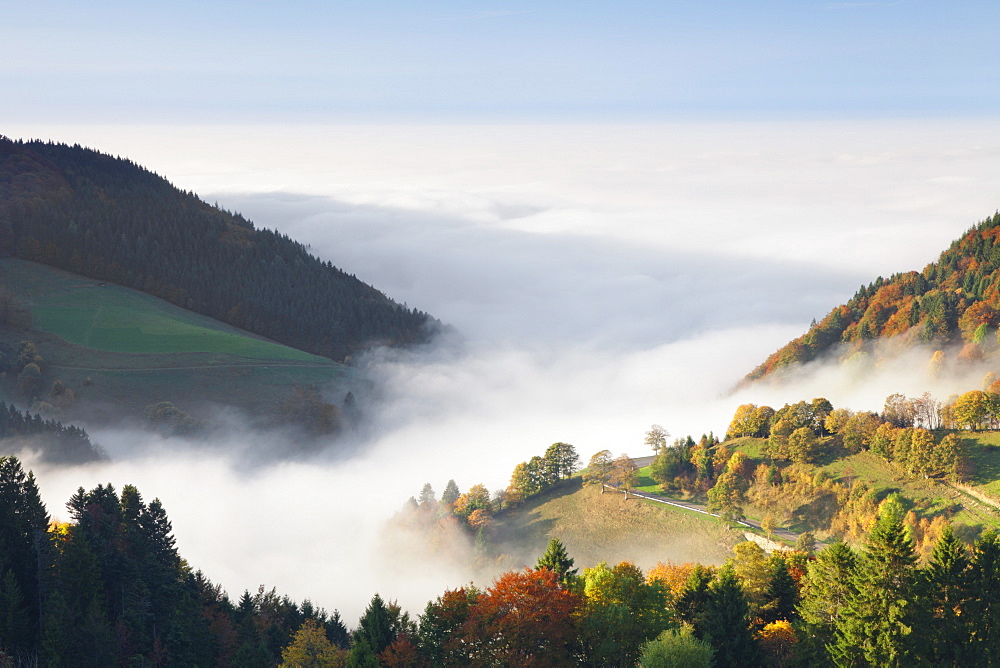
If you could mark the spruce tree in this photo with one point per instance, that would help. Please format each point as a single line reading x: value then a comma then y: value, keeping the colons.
x: 780, y: 593
x: 362, y: 656
x: 375, y: 628
x: 450, y: 494
x: 558, y: 561
x: 427, y: 495
x: 828, y: 586
x: 982, y: 611
x: 946, y: 580
x: 690, y: 604
x: 878, y: 620
x: 726, y: 622
x: 25, y: 553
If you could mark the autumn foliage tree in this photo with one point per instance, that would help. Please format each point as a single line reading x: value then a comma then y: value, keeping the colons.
x: 623, y: 473
x: 622, y: 611
x: 524, y: 619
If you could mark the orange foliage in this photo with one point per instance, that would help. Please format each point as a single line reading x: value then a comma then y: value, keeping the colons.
x: 524, y: 619
x: 673, y: 576
x: 888, y: 295
x: 479, y: 519
x: 899, y: 322
x: 978, y: 314
x: 971, y: 352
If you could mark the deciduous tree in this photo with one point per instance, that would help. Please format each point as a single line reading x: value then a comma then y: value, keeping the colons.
x: 677, y: 648
x: 622, y: 611
x: 656, y: 438
x: 599, y: 469
x: 525, y: 618
x: 624, y: 473
x: 310, y: 648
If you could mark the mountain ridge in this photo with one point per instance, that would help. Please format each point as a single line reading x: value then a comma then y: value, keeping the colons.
x: 955, y: 299
x: 110, y: 219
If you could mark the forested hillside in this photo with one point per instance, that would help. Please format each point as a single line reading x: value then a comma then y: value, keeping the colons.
x: 52, y: 440
x: 109, y: 588
x: 110, y: 219
x: 956, y: 299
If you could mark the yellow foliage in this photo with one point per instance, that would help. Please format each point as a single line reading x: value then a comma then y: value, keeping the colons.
x: 777, y: 642
x: 59, y: 530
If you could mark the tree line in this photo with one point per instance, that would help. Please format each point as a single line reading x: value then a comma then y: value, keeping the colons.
x: 877, y: 605
x: 953, y: 300
x: 110, y: 219
x: 907, y: 433
x: 110, y: 588
x: 53, y: 440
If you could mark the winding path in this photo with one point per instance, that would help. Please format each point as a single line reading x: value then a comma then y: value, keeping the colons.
x: 783, y: 534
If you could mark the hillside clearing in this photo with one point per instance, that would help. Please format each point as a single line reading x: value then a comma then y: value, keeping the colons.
x: 605, y: 527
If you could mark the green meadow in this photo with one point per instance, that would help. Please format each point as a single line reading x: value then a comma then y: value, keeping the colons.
x: 116, y: 346
x: 114, y: 319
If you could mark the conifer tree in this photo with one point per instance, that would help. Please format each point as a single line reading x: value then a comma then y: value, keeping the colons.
x: 946, y: 579
x: 24, y: 552
x: 877, y: 622
x: 690, y: 604
x: 450, y: 494
x: 375, y: 626
x: 780, y: 594
x: 556, y: 559
x: 982, y: 612
x: 827, y: 589
x: 362, y: 656
x: 726, y: 622
x: 427, y: 495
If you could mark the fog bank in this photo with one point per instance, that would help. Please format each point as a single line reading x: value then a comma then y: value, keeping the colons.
x: 600, y: 278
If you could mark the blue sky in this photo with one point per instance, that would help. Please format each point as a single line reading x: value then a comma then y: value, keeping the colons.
x: 328, y: 61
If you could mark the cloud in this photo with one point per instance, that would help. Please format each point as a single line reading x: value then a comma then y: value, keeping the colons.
x: 540, y: 290
x: 600, y: 279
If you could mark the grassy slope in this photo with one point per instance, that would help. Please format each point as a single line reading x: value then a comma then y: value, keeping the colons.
x: 929, y: 496
x: 604, y: 527
x: 136, y: 349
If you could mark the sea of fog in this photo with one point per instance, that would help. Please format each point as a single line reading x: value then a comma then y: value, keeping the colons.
x: 599, y: 279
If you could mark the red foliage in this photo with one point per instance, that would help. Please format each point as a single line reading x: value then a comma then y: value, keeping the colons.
x: 402, y: 653
x: 524, y: 619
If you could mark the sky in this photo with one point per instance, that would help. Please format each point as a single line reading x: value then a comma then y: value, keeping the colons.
x: 592, y: 60
x: 621, y: 208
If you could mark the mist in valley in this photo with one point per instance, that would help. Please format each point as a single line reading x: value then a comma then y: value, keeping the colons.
x: 598, y: 279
